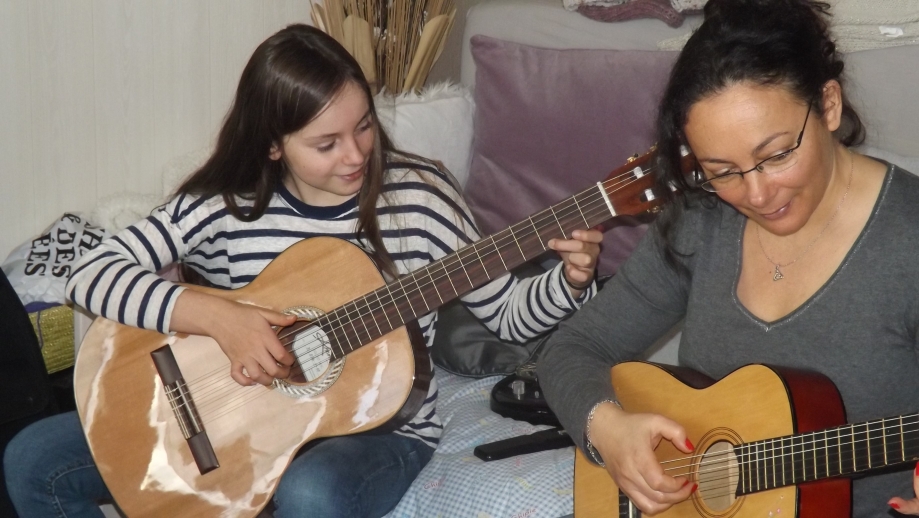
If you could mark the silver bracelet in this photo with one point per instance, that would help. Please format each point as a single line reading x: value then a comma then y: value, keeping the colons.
x: 594, y: 454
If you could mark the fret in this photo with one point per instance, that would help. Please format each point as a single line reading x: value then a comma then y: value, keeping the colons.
x: 557, y: 222
x: 745, y: 469
x: 902, y: 441
x: 839, y: 447
x: 449, y: 277
x: 831, y: 449
x: 418, y: 290
x: 475, y: 248
x: 581, y: 212
x: 536, y: 230
x: 465, y: 271
x: 783, y: 455
x: 819, y: 454
x: 341, y: 336
x: 751, y: 466
x: 854, y: 437
x: 498, y: 253
x: 910, y: 438
x: 332, y: 336
x: 357, y: 338
x: 794, y: 461
x: 395, y: 305
x: 373, y: 312
x: 884, y: 439
x: 360, y: 318
x: 760, y: 468
x: 826, y: 453
x: 383, y: 308
x: 772, y: 454
x: 807, y: 456
x: 434, y: 284
x: 523, y: 256
x: 868, y: 444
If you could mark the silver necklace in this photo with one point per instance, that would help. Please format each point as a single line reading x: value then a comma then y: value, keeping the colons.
x: 777, y: 275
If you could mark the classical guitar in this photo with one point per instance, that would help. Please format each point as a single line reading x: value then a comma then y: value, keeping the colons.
x: 174, y: 435
x: 769, y: 442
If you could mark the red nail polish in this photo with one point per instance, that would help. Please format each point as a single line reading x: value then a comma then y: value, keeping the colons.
x: 694, y: 487
x: 917, y: 469
x: 685, y: 483
x: 894, y: 505
x: 689, y: 445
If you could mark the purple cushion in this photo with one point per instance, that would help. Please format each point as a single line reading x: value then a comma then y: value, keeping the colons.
x: 550, y: 123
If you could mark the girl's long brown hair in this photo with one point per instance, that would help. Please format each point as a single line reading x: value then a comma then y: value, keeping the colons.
x: 287, y: 82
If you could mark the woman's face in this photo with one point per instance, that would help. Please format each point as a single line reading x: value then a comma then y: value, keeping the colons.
x: 327, y: 158
x: 744, y: 124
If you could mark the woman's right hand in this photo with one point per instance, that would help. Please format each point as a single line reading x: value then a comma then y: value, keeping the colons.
x: 626, y: 443
x: 244, y: 333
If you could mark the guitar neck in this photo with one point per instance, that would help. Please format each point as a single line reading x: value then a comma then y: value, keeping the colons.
x: 421, y: 291
x: 844, y: 450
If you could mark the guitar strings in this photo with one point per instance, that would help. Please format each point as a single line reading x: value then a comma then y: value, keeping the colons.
x: 727, y: 487
x: 708, y: 490
x: 590, y: 202
x: 764, y: 482
x: 564, y: 210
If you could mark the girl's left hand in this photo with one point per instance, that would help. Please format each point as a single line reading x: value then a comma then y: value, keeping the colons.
x: 908, y: 506
x: 580, y: 257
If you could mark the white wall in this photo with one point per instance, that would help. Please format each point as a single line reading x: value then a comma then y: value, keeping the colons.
x: 97, y: 95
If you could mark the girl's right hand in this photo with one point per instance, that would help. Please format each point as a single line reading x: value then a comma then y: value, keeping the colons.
x: 244, y: 333
x: 626, y: 443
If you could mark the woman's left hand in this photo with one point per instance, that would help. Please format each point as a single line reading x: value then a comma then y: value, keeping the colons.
x: 908, y: 506
x: 580, y: 257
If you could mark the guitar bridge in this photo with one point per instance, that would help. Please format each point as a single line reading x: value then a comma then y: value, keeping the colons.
x: 185, y: 410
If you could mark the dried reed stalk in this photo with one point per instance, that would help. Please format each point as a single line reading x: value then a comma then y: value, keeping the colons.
x: 397, y: 27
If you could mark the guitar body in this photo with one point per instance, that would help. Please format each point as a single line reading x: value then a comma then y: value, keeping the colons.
x: 255, y: 431
x: 751, y: 404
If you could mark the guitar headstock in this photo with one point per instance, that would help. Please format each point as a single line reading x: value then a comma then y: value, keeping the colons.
x: 633, y: 188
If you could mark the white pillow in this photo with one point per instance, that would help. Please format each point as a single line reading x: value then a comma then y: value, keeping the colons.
x: 435, y: 123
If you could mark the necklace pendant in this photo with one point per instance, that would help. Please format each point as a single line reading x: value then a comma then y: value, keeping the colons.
x: 778, y: 274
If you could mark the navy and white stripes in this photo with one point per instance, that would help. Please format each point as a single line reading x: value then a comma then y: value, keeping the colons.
x: 422, y: 219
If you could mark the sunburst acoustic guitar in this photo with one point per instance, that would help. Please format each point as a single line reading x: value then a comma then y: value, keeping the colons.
x: 174, y: 435
x: 770, y: 443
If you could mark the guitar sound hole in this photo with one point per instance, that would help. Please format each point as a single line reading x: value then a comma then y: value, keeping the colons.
x: 312, y: 350
x: 718, y: 476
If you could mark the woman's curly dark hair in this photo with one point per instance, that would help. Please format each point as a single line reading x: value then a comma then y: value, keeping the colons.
x: 766, y: 42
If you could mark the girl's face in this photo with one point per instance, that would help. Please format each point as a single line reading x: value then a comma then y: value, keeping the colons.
x: 327, y: 158
x: 744, y: 124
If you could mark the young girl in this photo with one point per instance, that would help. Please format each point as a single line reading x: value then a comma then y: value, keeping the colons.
x: 299, y: 155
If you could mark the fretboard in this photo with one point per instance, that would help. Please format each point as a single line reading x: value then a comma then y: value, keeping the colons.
x: 844, y: 450
x: 404, y: 300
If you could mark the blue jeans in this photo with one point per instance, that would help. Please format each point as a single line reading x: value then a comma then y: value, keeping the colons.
x: 50, y: 472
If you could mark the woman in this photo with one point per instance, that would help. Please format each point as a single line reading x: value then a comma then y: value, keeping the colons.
x: 787, y: 248
x: 300, y: 154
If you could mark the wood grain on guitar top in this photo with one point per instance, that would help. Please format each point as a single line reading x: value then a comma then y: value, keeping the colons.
x: 752, y: 404
x: 255, y: 431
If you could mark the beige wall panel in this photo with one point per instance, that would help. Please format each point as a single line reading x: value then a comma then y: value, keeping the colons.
x: 60, y: 50
x: 17, y: 201
x: 124, y: 42
x: 181, y: 79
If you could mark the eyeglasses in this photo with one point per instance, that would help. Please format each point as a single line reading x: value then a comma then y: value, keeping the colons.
x: 772, y: 165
